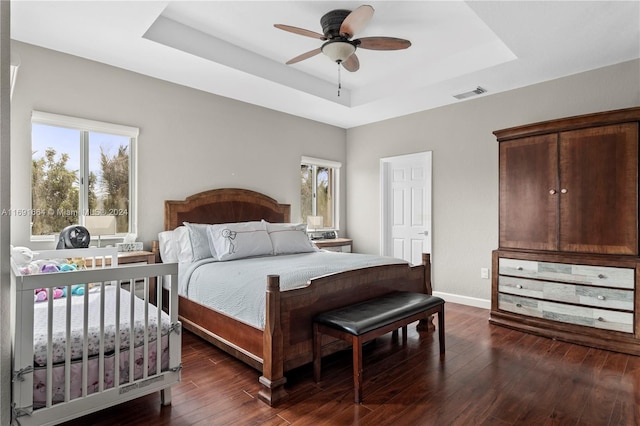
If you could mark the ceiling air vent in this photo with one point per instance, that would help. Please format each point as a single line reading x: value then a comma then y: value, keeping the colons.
x: 478, y: 91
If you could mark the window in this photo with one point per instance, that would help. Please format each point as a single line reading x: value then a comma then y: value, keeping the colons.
x: 80, y: 168
x: 319, y: 190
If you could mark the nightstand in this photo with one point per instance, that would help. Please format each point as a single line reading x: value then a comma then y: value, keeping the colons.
x: 129, y: 257
x: 335, y: 244
x: 141, y: 258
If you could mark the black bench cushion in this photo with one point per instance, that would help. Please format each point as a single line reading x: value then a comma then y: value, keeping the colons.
x: 375, y: 313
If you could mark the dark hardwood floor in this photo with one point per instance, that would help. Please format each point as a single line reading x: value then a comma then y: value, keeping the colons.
x: 489, y: 376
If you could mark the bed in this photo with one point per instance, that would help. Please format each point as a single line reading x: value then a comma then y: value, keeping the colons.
x: 284, y: 340
x: 84, y: 340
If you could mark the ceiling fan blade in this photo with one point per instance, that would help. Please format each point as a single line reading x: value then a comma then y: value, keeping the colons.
x: 304, y: 56
x: 356, y: 21
x: 352, y: 63
x: 300, y: 31
x: 383, y: 43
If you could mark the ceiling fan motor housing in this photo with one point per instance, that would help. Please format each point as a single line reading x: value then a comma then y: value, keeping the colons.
x: 331, y: 22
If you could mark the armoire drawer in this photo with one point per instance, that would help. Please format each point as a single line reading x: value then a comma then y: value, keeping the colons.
x: 600, y: 297
x: 605, y: 276
x: 560, y: 312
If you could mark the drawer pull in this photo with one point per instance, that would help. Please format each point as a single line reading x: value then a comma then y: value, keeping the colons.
x: 519, y: 268
x: 519, y: 286
x: 601, y: 297
x: 519, y: 305
x: 600, y: 319
x: 602, y: 276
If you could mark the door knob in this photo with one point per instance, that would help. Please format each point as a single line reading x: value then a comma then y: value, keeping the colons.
x: 552, y: 191
x: 564, y: 190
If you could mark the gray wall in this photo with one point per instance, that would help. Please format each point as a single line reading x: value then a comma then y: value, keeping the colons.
x: 189, y: 140
x: 192, y: 141
x: 465, y: 166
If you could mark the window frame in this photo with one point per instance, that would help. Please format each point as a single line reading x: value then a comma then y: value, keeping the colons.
x: 335, y: 186
x: 86, y: 126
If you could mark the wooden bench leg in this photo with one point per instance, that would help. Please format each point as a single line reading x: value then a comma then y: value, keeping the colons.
x: 404, y: 335
x: 317, y: 353
x: 441, y: 329
x: 357, y: 368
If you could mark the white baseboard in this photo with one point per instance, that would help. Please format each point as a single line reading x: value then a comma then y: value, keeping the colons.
x: 464, y: 300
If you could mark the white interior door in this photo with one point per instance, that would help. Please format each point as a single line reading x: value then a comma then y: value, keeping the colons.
x: 406, y: 206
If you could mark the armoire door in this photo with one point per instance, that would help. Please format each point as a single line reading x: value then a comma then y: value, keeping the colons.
x: 599, y: 190
x: 528, y: 193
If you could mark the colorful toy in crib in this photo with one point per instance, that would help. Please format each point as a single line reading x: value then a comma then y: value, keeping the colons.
x: 49, y: 266
x: 77, y: 289
x: 42, y: 294
x: 80, y: 262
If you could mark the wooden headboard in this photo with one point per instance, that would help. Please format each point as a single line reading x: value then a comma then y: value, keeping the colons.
x: 225, y: 205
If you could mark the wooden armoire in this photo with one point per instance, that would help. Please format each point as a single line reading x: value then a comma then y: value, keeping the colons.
x: 568, y: 264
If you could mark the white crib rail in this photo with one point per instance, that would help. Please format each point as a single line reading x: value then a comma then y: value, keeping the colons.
x: 104, y: 279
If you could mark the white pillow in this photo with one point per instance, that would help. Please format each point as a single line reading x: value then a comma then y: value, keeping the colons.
x: 199, y: 241
x: 183, y: 244
x: 288, y: 238
x: 238, y: 240
x: 168, y: 247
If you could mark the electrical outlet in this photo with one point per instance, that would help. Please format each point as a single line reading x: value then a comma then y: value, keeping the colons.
x: 484, y: 273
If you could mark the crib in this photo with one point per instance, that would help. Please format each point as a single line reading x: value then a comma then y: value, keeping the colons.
x: 102, y: 342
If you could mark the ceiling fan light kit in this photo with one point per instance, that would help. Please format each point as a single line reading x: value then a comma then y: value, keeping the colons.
x: 338, y: 26
x: 338, y: 51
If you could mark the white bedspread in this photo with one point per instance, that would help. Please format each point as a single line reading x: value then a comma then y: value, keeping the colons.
x: 237, y: 287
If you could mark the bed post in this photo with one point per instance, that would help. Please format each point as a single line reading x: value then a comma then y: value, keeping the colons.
x: 427, y: 324
x: 426, y: 261
x: 272, y: 378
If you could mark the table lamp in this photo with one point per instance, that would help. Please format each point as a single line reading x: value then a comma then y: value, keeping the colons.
x: 100, y: 225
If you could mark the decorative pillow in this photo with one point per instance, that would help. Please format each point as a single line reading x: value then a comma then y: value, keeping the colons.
x: 199, y: 241
x: 289, y: 238
x: 238, y: 240
x: 168, y: 247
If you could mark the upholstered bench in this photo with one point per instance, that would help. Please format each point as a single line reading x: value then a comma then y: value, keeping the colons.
x: 367, y: 320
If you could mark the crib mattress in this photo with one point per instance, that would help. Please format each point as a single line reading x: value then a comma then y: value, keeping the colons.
x: 40, y: 314
x: 77, y: 340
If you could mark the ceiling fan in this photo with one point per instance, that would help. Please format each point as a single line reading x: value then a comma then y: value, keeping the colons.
x: 338, y: 27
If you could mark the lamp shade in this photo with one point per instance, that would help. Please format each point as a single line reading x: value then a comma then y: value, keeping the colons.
x: 338, y: 51
x: 100, y: 225
x: 315, y: 222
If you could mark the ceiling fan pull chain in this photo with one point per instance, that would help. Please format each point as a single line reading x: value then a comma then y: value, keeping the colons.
x: 339, y: 79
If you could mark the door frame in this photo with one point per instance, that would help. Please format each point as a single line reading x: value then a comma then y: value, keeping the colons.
x: 385, y: 215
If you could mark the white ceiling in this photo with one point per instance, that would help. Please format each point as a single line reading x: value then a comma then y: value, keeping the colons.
x: 231, y: 48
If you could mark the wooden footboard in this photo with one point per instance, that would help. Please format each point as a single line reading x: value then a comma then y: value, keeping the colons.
x: 288, y: 334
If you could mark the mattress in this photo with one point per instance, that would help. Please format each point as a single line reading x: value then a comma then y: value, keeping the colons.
x: 237, y: 287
